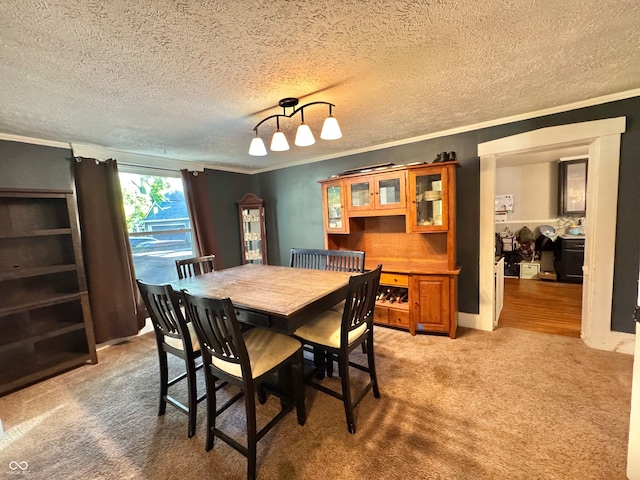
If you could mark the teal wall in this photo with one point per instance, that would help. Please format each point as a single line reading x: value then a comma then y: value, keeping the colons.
x: 225, y: 189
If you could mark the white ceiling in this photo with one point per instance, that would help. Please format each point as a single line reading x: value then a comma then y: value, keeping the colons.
x: 188, y: 80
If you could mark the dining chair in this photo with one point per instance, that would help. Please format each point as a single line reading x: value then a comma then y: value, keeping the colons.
x: 336, y: 260
x: 339, y: 334
x: 246, y: 360
x: 173, y: 336
x: 190, y: 267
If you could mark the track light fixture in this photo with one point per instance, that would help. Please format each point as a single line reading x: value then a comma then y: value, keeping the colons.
x: 304, y: 136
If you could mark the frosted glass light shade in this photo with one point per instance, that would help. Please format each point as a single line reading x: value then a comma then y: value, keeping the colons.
x: 257, y: 148
x: 279, y: 142
x: 304, y: 137
x: 330, y: 129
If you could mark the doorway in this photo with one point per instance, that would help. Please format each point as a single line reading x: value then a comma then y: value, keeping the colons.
x: 531, y: 181
x: 602, y: 138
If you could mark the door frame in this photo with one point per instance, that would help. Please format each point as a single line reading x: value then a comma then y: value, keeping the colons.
x: 603, y: 140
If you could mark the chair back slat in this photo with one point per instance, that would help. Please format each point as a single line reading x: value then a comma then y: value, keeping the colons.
x: 360, y: 301
x: 336, y: 260
x: 163, y: 308
x: 218, y: 329
x: 191, y: 267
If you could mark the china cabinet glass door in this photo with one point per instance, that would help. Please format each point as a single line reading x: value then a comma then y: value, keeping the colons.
x: 359, y: 193
x: 381, y: 191
x: 429, y: 196
x: 252, y: 230
x: 390, y: 190
x: 335, y: 220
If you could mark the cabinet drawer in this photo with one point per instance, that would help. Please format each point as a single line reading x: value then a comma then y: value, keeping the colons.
x: 394, y: 279
x: 399, y: 318
x: 381, y: 315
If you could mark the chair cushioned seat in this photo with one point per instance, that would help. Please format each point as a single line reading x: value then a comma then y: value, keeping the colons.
x: 325, y: 330
x: 177, y: 343
x: 266, y: 349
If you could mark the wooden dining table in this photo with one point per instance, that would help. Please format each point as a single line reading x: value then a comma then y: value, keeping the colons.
x: 271, y: 296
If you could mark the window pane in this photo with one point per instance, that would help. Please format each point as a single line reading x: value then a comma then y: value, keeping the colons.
x: 158, y: 224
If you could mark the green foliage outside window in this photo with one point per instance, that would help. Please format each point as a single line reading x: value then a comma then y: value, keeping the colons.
x: 139, y: 193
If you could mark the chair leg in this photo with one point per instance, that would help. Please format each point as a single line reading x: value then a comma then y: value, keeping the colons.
x: 262, y: 394
x: 298, y: 387
x: 329, y: 364
x: 319, y: 361
x: 193, y: 395
x: 164, y: 382
x: 343, y: 365
x: 210, y: 382
x: 372, y: 367
x: 252, y: 436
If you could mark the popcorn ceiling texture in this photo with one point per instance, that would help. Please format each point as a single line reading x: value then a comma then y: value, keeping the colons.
x: 189, y: 80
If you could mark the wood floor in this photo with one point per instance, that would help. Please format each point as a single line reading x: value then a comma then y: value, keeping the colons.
x: 539, y: 306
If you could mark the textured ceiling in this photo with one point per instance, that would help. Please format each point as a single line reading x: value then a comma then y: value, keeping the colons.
x: 189, y: 79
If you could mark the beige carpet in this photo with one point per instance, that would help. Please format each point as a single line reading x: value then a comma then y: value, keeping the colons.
x: 510, y: 405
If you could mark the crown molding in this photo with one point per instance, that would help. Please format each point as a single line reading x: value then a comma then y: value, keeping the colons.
x: 134, y: 159
x: 34, y: 141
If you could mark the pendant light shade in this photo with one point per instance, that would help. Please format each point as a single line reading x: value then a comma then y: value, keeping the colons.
x: 279, y: 142
x: 330, y: 129
x: 257, y: 148
x: 304, y: 137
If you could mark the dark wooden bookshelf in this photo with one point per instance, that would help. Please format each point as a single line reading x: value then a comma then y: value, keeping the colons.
x: 45, y: 317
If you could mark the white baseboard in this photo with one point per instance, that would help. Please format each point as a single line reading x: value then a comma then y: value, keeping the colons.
x: 469, y: 320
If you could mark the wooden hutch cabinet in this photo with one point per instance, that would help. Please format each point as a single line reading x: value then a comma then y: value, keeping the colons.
x: 45, y: 318
x: 404, y: 218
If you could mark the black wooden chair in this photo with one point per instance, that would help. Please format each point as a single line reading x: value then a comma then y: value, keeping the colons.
x: 245, y: 360
x: 339, y: 334
x: 190, y: 267
x: 173, y: 336
x: 337, y: 260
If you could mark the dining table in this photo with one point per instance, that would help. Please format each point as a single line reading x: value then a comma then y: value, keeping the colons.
x: 271, y: 296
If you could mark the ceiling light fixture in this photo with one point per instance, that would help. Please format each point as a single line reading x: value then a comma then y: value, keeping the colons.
x: 304, y: 136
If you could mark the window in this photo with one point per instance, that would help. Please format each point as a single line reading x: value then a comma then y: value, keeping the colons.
x: 158, y: 224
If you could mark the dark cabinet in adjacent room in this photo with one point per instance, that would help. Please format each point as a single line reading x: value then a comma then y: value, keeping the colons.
x: 569, y: 259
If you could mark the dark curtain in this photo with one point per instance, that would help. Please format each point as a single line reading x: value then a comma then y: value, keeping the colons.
x: 116, y: 305
x: 196, y: 194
